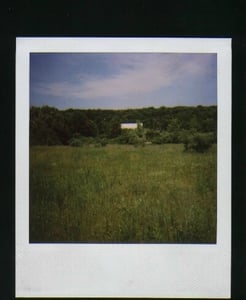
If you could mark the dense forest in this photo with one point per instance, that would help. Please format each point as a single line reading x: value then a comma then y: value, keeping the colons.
x: 50, y: 126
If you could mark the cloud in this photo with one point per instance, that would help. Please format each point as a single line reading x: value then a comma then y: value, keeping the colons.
x: 131, y: 75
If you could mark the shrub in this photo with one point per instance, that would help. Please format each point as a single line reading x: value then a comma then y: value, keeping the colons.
x: 131, y: 137
x: 100, y: 142
x: 103, y: 142
x: 78, y: 141
x: 75, y: 142
x: 199, y: 142
x: 164, y: 137
x: 123, y: 138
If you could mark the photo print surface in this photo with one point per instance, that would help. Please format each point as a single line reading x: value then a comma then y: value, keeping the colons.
x: 123, y: 167
x: 123, y: 147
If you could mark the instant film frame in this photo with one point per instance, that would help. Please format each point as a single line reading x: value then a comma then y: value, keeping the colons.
x: 124, y: 270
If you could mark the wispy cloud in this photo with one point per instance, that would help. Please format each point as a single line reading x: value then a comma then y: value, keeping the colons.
x: 135, y: 75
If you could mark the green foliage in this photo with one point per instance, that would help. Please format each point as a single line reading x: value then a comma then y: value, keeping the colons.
x: 113, y: 129
x: 103, y: 142
x: 75, y: 142
x: 50, y: 126
x: 78, y: 141
x: 164, y: 137
x: 122, y: 194
x: 174, y: 125
x: 132, y: 137
x: 199, y: 142
x: 151, y: 134
x: 100, y: 142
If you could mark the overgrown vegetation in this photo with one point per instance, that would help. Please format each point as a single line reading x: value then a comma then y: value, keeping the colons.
x: 199, y: 142
x: 122, y: 194
x: 100, y: 183
x: 188, y: 125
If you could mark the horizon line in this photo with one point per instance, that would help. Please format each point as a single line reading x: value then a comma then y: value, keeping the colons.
x: 127, y: 108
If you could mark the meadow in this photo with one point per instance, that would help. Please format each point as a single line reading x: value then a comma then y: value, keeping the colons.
x: 122, y: 194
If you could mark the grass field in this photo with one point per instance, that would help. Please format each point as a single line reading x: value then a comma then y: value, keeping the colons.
x: 122, y: 194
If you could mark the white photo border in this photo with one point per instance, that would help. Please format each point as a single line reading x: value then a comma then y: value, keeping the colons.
x: 124, y: 270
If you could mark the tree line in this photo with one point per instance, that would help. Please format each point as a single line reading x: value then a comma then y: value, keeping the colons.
x: 50, y: 126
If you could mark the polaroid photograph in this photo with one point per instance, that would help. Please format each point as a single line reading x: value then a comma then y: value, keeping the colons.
x: 123, y: 167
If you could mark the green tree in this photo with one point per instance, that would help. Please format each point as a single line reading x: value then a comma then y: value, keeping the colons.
x: 174, y: 129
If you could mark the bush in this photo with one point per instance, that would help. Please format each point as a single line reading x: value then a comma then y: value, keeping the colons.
x: 131, y: 137
x: 166, y: 137
x: 163, y: 138
x: 123, y: 138
x: 199, y: 142
x: 101, y: 142
x: 75, y: 142
x: 78, y: 141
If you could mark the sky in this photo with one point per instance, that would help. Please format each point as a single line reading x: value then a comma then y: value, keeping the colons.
x: 122, y: 80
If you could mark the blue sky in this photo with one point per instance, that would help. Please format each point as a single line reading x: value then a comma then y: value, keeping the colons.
x: 122, y: 80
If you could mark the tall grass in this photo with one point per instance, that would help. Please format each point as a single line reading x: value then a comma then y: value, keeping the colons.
x: 122, y: 193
